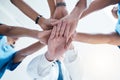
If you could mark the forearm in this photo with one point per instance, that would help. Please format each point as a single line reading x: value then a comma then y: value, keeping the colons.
x: 27, y: 10
x: 95, y: 6
x: 14, y: 31
x: 96, y: 38
x: 21, y: 54
x: 52, y: 6
x: 78, y: 9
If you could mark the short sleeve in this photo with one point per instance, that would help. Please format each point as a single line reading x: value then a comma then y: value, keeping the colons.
x: 39, y: 67
x: 1, y: 36
x: 11, y: 65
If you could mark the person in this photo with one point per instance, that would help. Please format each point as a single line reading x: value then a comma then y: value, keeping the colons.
x: 9, y: 58
x: 59, y: 10
x: 70, y: 21
x: 18, y: 31
x: 44, y: 23
x: 46, y: 66
x: 111, y: 38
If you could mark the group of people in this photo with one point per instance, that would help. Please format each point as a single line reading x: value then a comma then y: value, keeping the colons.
x: 58, y: 33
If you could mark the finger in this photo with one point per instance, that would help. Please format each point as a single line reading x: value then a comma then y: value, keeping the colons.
x: 55, y: 23
x: 62, y: 30
x: 71, y: 32
x: 58, y: 29
x: 67, y: 30
x: 53, y: 32
x: 53, y: 20
x: 68, y: 43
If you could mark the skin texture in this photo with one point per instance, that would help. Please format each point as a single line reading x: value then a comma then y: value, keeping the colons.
x: 44, y: 23
x: 56, y: 46
x: 68, y: 23
x: 13, y: 33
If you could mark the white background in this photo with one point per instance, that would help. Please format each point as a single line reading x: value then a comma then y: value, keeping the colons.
x: 94, y: 62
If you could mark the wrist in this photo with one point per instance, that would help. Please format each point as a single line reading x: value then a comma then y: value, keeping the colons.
x: 38, y: 19
x: 76, y: 12
x: 41, y: 20
x: 49, y: 56
x: 60, y: 4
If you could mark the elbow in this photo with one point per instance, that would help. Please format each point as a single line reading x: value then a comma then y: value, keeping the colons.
x: 19, y: 57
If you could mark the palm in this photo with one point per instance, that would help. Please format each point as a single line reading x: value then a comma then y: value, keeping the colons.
x: 57, y: 46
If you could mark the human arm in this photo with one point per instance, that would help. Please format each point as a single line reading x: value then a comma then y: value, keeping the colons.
x: 21, y: 54
x: 57, y: 8
x: 52, y: 7
x: 32, y: 14
x: 98, y: 5
x: 68, y: 23
x: 60, y: 10
x: 56, y: 46
x: 15, y: 31
x: 42, y: 65
x: 111, y: 38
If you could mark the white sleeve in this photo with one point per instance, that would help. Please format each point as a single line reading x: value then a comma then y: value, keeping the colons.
x: 39, y: 67
x: 70, y: 56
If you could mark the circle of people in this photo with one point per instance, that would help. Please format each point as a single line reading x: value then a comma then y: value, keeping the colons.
x: 58, y: 33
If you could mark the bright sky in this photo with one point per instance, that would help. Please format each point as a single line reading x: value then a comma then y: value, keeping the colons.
x: 94, y: 62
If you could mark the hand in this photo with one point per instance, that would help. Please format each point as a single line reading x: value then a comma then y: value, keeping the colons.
x: 114, y: 12
x: 56, y: 46
x: 46, y: 23
x: 66, y: 25
x: 44, y: 36
x: 60, y: 12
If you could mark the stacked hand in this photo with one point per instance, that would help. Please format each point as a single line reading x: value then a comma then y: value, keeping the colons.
x: 56, y: 45
x: 46, y: 23
x: 66, y: 25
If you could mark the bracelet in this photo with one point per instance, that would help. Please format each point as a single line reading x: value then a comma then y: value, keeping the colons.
x: 1, y: 24
x: 60, y: 4
x: 37, y: 19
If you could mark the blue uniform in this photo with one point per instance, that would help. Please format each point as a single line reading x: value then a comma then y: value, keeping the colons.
x: 7, y: 53
x: 118, y: 23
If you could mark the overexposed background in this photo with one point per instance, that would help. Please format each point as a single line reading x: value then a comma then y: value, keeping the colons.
x: 94, y: 62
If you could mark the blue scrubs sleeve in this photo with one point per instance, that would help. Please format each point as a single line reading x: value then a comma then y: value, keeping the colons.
x: 11, y: 65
